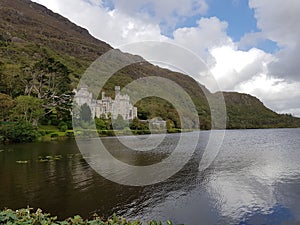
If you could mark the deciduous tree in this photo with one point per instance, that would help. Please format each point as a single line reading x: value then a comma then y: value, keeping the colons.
x: 6, y: 104
x: 28, y: 109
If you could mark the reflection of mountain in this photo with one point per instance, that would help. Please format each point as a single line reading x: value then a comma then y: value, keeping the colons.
x: 30, y: 32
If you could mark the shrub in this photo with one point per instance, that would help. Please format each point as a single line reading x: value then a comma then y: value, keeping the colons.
x: 62, y: 126
x: 42, y: 132
x: 70, y: 134
x: 25, y: 216
x: 109, y: 133
x: 2, y: 139
x: 174, y: 130
x: 50, y: 131
x: 21, y: 132
x: 54, y: 135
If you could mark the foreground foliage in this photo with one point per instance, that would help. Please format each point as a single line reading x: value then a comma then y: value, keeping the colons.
x: 25, y: 216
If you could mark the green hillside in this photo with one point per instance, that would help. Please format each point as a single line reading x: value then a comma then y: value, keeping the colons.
x: 43, y: 55
x: 246, y: 111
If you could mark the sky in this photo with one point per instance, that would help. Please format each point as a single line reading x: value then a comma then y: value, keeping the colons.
x: 250, y: 46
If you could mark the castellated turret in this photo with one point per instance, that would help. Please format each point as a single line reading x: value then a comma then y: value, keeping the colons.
x: 107, y: 106
x: 117, y: 90
x: 83, y: 96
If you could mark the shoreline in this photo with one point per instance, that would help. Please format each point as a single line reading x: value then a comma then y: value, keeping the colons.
x: 69, y: 134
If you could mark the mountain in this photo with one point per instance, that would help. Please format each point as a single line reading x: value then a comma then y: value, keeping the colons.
x: 246, y: 111
x: 31, y: 36
x: 25, y: 21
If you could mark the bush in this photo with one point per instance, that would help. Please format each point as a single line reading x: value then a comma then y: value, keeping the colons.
x: 50, y: 131
x: 54, y: 135
x: 70, y: 134
x: 62, y: 126
x: 2, y: 139
x: 21, y: 132
x: 106, y: 132
x: 174, y: 130
x: 42, y: 132
x: 25, y: 216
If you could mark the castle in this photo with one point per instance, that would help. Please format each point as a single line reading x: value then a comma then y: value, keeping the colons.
x: 107, y: 106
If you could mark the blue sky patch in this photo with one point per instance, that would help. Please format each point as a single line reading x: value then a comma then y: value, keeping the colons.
x: 237, y: 13
x: 268, y: 46
x: 108, y: 4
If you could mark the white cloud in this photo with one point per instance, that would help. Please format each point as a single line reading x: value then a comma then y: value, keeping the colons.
x: 233, y: 66
x: 52, y: 5
x: 250, y: 39
x: 167, y: 12
x: 280, y: 23
x: 277, y: 94
x: 262, y: 84
x: 111, y: 26
x: 209, y: 33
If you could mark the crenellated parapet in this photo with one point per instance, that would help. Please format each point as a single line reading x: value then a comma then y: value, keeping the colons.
x: 107, y: 106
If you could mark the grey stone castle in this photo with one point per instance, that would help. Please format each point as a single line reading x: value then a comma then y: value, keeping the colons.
x: 119, y: 106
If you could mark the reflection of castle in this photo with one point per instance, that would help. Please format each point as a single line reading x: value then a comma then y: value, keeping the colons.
x: 119, y: 106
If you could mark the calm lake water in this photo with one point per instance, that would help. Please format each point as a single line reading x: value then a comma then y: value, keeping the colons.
x: 255, y: 179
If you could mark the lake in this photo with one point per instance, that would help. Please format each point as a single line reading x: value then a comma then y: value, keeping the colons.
x: 255, y: 179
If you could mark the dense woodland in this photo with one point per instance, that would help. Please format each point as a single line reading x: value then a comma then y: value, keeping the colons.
x: 42, y: 57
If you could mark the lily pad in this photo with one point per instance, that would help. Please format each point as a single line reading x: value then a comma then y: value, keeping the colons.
x: 22, y: 161
x: 43, y: 160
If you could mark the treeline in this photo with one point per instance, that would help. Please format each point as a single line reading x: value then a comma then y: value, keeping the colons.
x: 39, y: 93
x: 36, y: 94
x: 36, y: 85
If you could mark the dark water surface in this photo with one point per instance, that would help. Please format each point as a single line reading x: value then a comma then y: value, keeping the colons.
x: 255, y: 179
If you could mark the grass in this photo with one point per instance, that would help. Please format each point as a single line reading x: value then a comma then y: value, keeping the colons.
x: 50, y: 132
x: 48, y: 127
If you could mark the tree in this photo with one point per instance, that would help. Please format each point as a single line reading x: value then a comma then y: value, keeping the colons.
x: 21, y: 132
x: 48, y: 79
x: 108, y: 122
x: 9, y: 82
x: 170, y: 125
x: 135, y: 124
x: 6, y: 104
x: 28, y: 109
x: 100, y: 123
x: 119, y: 123
x: 85, y: 113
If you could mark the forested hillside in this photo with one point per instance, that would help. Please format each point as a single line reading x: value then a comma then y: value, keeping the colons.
x: 43, y: 55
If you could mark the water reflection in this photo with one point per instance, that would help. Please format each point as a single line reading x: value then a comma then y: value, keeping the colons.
x: 248, y: 187
x: 242, y: 186
x: 254, y: 180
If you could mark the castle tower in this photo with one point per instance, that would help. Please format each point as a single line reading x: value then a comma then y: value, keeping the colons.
x: 117, y: 90
x: 119, y: 106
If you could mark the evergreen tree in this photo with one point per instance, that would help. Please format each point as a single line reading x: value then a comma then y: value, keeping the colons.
x: 85, y: 113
